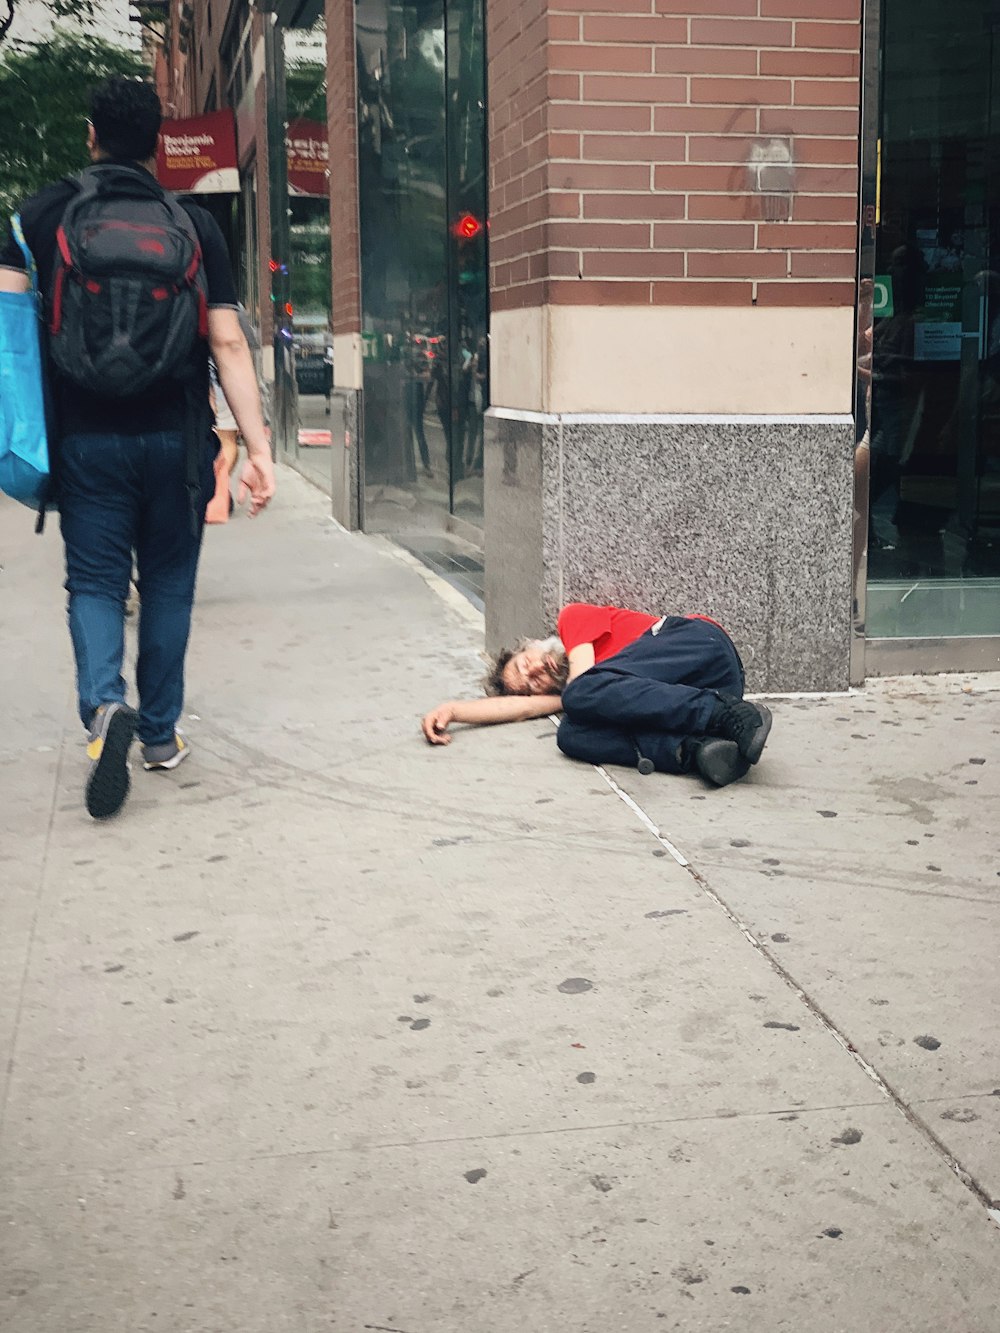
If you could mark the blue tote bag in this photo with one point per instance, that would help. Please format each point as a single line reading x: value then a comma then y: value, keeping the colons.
x: 24, y: 450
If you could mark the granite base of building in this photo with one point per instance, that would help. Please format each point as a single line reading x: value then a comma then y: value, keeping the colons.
x: 748, y: 520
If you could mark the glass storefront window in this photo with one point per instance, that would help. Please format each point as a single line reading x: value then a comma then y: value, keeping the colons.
x: 309, y: 288
x: 934, y: 532
x: 422, y: 180
x: 249, y: 250
x: 467, y: 278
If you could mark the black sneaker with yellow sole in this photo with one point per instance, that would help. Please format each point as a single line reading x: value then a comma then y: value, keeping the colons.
x: 108, y: 781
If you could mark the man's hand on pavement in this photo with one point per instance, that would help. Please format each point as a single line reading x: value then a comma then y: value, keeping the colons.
x: 257, y: 481
x: 435, y: 724
x: 486, y: 712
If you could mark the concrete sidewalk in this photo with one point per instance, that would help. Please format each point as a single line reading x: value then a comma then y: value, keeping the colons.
x: 331, y: 1030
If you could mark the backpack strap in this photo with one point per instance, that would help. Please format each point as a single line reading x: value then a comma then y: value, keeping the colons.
x: 30, y: 267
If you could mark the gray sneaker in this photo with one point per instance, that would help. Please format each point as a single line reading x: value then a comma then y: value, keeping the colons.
x: 111, y: 733
x: 165, y: 756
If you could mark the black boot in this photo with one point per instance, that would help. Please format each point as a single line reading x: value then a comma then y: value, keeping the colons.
x: 719, y: 761
x: 745, y: 723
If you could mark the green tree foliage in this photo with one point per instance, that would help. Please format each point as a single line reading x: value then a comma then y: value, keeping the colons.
x: 77, y: 11
x: 44, y: 91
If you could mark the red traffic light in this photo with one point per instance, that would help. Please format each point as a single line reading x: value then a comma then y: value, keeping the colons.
x: 273, y: 265
x: 467, y: 227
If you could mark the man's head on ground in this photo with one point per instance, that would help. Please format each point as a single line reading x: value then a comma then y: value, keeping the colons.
x: 125, y: 118
x: 534, y: 666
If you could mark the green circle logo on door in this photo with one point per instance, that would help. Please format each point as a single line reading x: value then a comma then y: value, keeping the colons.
x: 882, y: 305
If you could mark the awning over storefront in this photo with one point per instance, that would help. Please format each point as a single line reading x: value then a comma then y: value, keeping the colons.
x: 296, y: 13
x: 198, y: 155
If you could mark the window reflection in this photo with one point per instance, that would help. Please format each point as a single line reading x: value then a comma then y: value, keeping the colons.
x: 309, y: 275
x: 423, y: 256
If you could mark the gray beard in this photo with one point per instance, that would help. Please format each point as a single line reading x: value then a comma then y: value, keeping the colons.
x: 553, y: 645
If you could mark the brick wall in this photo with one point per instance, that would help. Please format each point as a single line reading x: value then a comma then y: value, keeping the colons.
x: 178, y: 99
x: 637, y: 145
x: 194, y: 71
x: 520, y: 87
x: 342, y: 116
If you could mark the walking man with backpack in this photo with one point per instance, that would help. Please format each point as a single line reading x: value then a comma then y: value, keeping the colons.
x: 138, y: 293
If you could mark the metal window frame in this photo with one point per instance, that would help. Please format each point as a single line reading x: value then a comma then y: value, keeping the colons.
x: 885, y: 656
x: 867, y: 219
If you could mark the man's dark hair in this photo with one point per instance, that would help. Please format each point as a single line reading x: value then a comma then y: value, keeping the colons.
x: 126, y: 116
x: 493, y: 682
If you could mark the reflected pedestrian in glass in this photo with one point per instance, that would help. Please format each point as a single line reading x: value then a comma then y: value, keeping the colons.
x: 417, y: 384
x: 894, y: 401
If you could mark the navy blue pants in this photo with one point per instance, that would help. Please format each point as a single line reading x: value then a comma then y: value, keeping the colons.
x: 653, y: 698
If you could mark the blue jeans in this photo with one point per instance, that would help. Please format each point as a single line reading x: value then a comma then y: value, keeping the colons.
x: 121, y: 495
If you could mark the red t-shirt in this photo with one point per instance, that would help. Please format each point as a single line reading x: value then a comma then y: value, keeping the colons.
x: 608, y: 628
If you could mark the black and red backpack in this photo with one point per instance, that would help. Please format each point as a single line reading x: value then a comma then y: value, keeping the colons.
x: 128, y: 296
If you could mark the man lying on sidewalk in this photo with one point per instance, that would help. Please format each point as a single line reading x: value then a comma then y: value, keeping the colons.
x: 664, y: 693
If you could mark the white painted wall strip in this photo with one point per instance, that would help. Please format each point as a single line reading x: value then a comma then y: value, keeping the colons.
x: 669, y: 418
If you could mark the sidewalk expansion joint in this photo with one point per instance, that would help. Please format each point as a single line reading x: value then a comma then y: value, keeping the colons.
x: 991, y: 1205
x: 33, y: 930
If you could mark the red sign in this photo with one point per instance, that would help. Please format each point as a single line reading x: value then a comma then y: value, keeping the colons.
x: 467, y: 227
x: 308, y: 157
x: 198, y: 156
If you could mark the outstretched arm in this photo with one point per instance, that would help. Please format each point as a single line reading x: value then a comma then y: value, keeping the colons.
x: 483, y: 712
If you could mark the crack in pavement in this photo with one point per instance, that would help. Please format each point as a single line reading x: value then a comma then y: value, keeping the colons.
x: 173, y: 1168
x: 981, y: 1194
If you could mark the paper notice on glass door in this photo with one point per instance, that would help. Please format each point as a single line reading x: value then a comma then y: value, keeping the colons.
x: 937, y: 342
